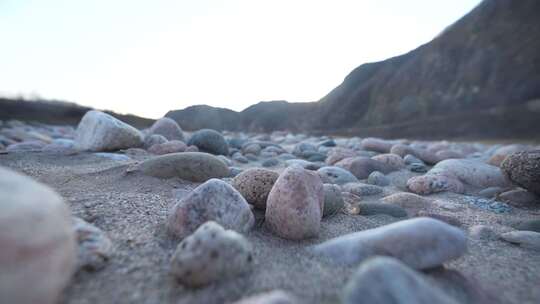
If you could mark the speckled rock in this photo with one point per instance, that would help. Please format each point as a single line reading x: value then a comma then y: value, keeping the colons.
x: 377, y: 145
x: 525, y: 239
x: 385, y: 280
x: 173, y: 146
x: 361, y: 167
x: 433, y: 183
x: 333, y: 201
x: 211, y: 141
x: 35, y: 221
x: 339, y: 153
x: 369, y: 208
x: 411, y: 202
x: 192, y: 166
x: 211, y: 254
x: 392, y: 160
x: 501, y: 153
x: 362, y: 189
x: 523, y: 169
x: 420, y: 243
x: 215, y: 200
x: 271, y: 297
x: 336, y: 175
x: 168, y: 128
x: 95, y: 248
x: 378, y: 179
x: 255, y: 184
x: 295, y: 204
x: 98, y: 131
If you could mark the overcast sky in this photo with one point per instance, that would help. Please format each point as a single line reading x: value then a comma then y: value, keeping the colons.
x: 148, y: 57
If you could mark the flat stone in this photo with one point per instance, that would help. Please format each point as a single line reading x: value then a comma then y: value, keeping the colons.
x: 98, y: 131
x: 525, y: 239
x: 377, y: 145
x: 392, y: 160
x: 192, y: 166
x: 173, y: 146
x: 215, y: 200
x: 211, y: 254
x: 295, y: 204
x: 255, y: 184
x: 420, y: 243
x: 385, y: 280
x: 38, y: 249
x: 367, y: 208
x: 378, y: 179
x: 271, y: 297
x: 361, y: 167
x: 362, y: 189
x: 528, y: 225
x: 336, y: 175
x: 338, y: 153
x: 519, y: 198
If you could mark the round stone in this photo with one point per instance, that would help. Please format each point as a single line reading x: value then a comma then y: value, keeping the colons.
x: 333, y: 201
x: 523, y: 169
x: 361, y: 167
x: 168, y: 128
x: 211, y: 141
x: 173, y: 146
x: 336, y: 175
x: 255, y: 184
x: 378, y: 179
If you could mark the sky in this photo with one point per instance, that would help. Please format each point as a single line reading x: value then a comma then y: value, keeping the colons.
x: 150, y: 56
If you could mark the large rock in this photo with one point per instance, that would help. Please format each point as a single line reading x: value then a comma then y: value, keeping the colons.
x: 295, y: 204
x: 192, y: 166
x: 420, y: 243
x: 523, y: 169
x: 336, y: 175
x: 210, y: 141
x: 98, y: 131
x: 255, y: 184
x: 215, y: 200
x: 38, y: 249
x: 168, y: 128
x: 361, y: 167
x: 384, y: 280
x: 211, y: 254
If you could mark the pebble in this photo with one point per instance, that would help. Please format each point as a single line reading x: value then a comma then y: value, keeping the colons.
x: 336, y: 175
x: 411, y: 159
x: 362, y: 189
x: 420, y: 243
x: 302, y: 148
x: 433, y: 183
x: 392, y: 160
x: 441, y: 217
x: 240, y: 158
x: 270, y: 297
x: 378, y: 179
x: 153, y: 139
x: 113, y: 156
x: 501, y: 153
x: 369, y: 208
x: 192, y: 166
x: 215, y: 200
x: 271, y: 162
x: 95, y: 248
x: 34, y: 220
x: 211, y: 254
x: 251, y: 148
x: 523, y: 169
x: 385, y: 280
x: 488, y: 204
x: 98, y: 131
x: 338, y: 153
x: 418, y: 168
x: 60, y: 146
x: 333, y: 200
x: 482, y: 232
x: 471, y: 172
x: 210, y: 141
x: 411, y: 202
x: 361, y: 167
x: 377, y: 145
x: 303, y: 163
x: 490, y: 192
x: 30, y: 145
x: 295, y: 204
x: 255, y: 184
x: 529, y: 225
x: 173, y: 146
x: 525, y: 239
x: 168, y: 128
x: 519, y: 198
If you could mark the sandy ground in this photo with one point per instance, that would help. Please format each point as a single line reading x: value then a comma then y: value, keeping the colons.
x: 132, y: 209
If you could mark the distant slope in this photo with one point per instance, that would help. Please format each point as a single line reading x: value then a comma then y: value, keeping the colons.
x: 479, y: 78
x: 56, y: 112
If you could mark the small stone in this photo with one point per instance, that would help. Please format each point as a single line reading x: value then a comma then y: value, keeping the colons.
x: 154, y: 139
x: 448, y: 154
x: 211, y: 254
x: 411, y: 159
x: 271, y: 162
x: 31, y: 145
x: 529, y: 225
x: 38, y: 250
x: 418, y: 168
x: 271, y: 297
x: 215, y: 200
x: 338, y: 153
x: 98, y: 131
x: 488, y: 204
x: 385, y: 280
x: 61, y: 146
x: 234, y: 171
x: 501, y: 153
x: 519, y: 198
x: 302, y: 148
x: 377, y: 145
x: 95, y: 248
x: 295, y: 204
x: 471, y: 172
x: 303, y: 163
x: 361, y: 167
x: 378, y: 179
x: 333, y: 201
x: 336, y: 175
x: 523, y: 169
x: 482, y: 232
x: 392, y: 160
x: 255, y: 184
x: 211, y: 141
x: 240, y: 158
x: 526, y: 239
x: 192, y: 166
x: 252, y: 148
x: 433, y: 183
x: 192, y: 148
x: 361, y: 189
x: 420, y: 243
x: 411, y: 202
x: 113, y: 156
x: 173, y: 146
x: 441, y: 217
x: 366, y: 208
x: 168, y: 128
x: 490, y: 192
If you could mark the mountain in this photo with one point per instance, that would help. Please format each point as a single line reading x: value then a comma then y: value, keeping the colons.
x: 480, y: 78
x: 57, y: 112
